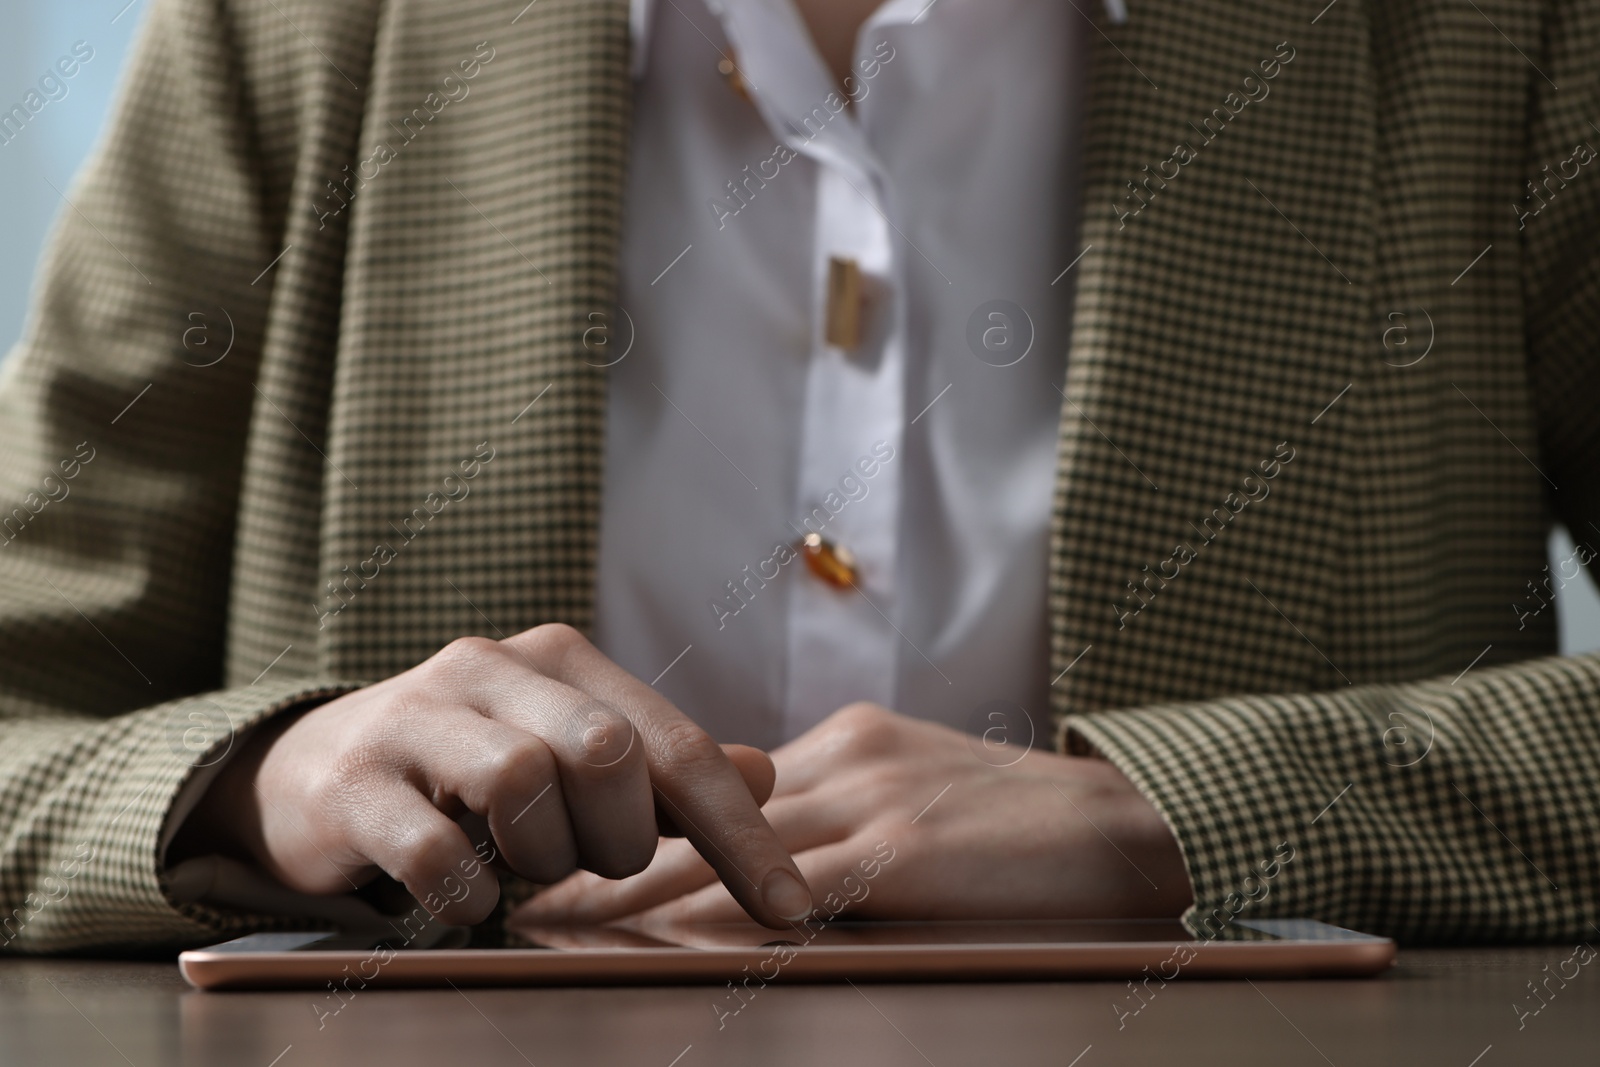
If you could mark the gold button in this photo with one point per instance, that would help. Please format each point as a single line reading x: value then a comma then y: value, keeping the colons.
x: 730, y: 74
x: 843, y: 328
x: 833, y: 564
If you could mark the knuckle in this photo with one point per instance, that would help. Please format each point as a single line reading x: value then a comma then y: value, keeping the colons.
x: 557, y: 638
x: 866, y: 728
x: 464, y: 655
x: 521, y: 765
x: 686, y: 747
x: 606, y: 737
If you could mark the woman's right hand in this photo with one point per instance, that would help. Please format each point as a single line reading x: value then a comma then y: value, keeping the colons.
x: 571, y: 761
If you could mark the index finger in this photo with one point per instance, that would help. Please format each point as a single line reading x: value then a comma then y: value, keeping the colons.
x: 695, y: 783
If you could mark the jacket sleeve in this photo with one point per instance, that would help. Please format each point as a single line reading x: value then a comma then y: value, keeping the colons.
x: 1425, y: 812
x: 124, y: 412
x: 1437, y: 810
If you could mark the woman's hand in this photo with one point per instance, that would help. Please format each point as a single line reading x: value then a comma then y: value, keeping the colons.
x: 540, y: 741
x: 894, y: 818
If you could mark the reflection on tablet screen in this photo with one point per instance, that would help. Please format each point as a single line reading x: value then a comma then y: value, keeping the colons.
x: 845, y: 933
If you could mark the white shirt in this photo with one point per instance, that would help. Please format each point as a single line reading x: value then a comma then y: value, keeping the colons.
x: 952, y: 181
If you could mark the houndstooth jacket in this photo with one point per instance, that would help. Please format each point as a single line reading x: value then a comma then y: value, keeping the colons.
x: 1352, y: 656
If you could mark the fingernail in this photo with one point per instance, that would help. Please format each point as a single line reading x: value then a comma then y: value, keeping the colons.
x: 785, y: 896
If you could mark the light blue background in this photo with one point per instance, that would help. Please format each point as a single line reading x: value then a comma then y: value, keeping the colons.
x: 35, y: 33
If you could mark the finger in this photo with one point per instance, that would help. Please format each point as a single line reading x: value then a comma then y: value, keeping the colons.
x: 802, y: 823
x: 834, y: 870
x: 589, y: 937
x: 585, y: 899
x: 506, y: 776
x: 424, y: 850
x: 605, y: 784
x: 604, y: 780
x: 753, y: 765
x: 798, y: 765
x: 692, y: 778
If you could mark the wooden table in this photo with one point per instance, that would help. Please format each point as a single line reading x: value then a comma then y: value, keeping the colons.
x: 1452, y: 1008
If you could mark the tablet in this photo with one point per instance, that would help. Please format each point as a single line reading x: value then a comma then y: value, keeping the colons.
x: 746, y: 953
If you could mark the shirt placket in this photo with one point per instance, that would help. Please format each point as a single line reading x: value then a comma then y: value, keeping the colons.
x: 842, y: 642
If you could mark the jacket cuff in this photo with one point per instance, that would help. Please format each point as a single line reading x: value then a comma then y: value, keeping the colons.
x: 101, y: 884
x: 1240, y: 816
x: 204, y: 734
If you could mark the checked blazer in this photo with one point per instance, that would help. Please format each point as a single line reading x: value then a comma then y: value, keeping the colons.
x: 1352, y: 271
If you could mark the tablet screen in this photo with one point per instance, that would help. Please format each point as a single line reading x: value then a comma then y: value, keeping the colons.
x: 841, y: 933
x: 859, y: 934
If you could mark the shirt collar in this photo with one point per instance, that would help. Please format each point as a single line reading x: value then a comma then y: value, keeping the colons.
x: 641, y: 12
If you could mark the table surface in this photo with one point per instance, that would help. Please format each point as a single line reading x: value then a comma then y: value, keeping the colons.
x: 1453, y: 1008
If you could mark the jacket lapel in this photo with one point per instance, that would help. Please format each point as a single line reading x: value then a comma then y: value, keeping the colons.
x: 467, y: 432
x: 1219, y: 310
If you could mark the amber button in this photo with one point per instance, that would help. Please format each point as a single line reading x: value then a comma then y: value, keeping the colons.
x: 833, y: 564
x: 730, y: 74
